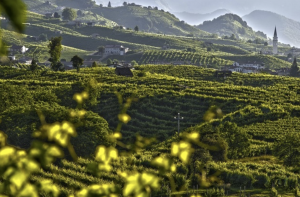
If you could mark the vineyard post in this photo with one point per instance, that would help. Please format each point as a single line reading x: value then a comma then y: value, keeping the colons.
x: 178, y: 118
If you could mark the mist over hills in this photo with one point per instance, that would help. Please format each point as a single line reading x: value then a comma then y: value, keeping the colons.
x: 196, y: 18
x: 288, y: 30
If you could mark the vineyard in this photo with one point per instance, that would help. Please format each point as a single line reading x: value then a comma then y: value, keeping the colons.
x: 206, y: 59
x: 172, y: 127
x: 161, y: 57
x: 263, y: 106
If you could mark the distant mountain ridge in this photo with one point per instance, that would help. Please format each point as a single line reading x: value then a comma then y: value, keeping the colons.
x: 197, y: 18
x: 288, y: 30
x: 229, y: 24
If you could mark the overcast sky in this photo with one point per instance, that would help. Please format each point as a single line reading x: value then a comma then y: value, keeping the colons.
x: 288, y: 8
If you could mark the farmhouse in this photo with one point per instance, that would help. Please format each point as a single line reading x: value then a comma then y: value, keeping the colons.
x: 49, y: 15
x: 248, y: 67
x: 17, y: 48
x: 115, y: 50
x: 75, y: 23
x: 25, y: 60
x: 283, y: 71
x: 11, y: 57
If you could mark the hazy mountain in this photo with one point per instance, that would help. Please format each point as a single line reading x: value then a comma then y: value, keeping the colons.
x: 288, y: 8
x: 196, y: 19
x: 229, y: 24
x: 288, y: 30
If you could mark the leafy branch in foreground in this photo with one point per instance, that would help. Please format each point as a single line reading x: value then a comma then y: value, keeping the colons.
x: 18, y: 166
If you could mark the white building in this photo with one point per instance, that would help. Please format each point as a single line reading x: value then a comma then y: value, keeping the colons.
x: 16, y: 48
x: 245, y: 67
x: 256, y: 65
x: 115, y: 50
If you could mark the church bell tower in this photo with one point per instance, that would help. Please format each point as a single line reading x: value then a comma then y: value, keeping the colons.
x: 275, y: 43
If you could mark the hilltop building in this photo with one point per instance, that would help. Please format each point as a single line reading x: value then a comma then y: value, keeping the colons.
x: 115, y: 50
x: 275, y: 43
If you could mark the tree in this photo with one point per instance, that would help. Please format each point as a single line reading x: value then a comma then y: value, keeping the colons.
x: 54, y: 51
x: 115, y: 61
x: 43, y: 37
x: 294, y: 72
x: 69, y: 14
x: 94, y: 65
x: 136, y: 28
x: 288, y: 149
x: 109, y: 4
x: 58, y: 66
x: 134, y: 63
x: 77, y: 62
x: 109, y: 61
x: 79, y: 13
x: 56, y: 15
x: 233, y: 37
x: 101, y: 49
x: 266, y: 43
x: 237, y: 140
x: 124, y: 3
x: 33, y: 65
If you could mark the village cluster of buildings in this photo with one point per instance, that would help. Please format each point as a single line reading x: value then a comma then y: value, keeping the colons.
x: 21, y: 49
x: 245, y: 67
x: 254, y: 67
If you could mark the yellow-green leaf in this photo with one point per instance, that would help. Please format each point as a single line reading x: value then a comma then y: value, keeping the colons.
x: 16, y: 12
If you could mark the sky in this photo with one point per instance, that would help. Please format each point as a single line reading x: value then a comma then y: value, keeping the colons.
x: 288, y: 8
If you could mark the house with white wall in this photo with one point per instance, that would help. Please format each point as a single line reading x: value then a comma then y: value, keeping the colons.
x: 115, y: 50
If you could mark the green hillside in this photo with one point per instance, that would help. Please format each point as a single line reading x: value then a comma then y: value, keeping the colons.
x: 169, y: 126
x: 262, y: 106
x: 193, y: 58
x: 229, y: 24
x: 149, y: 20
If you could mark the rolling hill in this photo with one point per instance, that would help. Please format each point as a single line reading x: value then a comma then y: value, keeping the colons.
x: 196, y: 18
x: 149, y: 20
x: 229, y: 24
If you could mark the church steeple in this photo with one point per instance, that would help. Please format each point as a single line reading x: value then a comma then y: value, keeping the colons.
x: 275, y: 32
x: 275, y: 42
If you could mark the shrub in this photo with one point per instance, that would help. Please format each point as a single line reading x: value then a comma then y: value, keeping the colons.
x: 274, y: 192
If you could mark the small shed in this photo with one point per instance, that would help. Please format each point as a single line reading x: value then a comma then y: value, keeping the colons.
x: 49, y: 15
x: 124, y: 71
